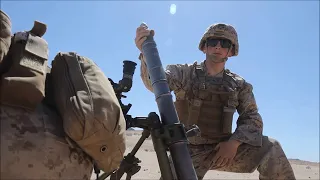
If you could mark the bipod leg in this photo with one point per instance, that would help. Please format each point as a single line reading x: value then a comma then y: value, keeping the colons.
x: 128, y: 177
x: 144, y: 136
x: 129, y: 164
x: 165, y: 135
x: 160, y: 148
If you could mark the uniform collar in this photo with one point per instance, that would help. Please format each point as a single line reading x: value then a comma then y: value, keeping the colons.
x: 204, y: 69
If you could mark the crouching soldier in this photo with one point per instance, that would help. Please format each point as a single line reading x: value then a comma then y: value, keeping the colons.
x: 207, y: 94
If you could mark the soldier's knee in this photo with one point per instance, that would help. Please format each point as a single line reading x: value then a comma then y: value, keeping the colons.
x: 274, y: 144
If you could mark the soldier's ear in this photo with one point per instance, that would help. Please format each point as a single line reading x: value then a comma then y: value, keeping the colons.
x: 204, y: 49
x: 231, y: 51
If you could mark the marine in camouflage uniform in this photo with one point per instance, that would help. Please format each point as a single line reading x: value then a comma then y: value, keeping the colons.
x: 210, y: 102
x: 33, y: 144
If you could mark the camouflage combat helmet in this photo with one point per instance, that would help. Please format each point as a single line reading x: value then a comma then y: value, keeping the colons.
x: 221, y: 30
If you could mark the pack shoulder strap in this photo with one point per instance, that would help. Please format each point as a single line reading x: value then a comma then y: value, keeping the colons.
x: 231, y: 83
x: 195, y: 104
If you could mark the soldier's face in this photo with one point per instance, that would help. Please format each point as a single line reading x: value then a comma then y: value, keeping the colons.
x: 218, y: 47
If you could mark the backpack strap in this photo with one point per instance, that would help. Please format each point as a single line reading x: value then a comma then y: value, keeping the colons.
x: 230, y: 84
x: 196, y: 103
x: 38, y: 29
x: 201, y: 76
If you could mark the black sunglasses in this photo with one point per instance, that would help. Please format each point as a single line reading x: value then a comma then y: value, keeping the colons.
x: 224, y: 43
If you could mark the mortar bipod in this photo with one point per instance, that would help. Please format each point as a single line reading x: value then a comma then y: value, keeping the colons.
x: 150, y: 124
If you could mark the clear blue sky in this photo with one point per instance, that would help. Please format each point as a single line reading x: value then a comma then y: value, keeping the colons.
x: 279, y: 51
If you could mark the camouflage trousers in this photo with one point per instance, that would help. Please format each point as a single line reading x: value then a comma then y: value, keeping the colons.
x: 269, y: 160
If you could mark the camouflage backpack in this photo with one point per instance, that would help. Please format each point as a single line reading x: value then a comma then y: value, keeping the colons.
x: 92, y: 116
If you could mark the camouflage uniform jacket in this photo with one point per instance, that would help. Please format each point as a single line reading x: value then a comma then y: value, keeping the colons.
x: 249, y: 124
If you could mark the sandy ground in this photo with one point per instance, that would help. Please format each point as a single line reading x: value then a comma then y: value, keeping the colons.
x: 150, y: 169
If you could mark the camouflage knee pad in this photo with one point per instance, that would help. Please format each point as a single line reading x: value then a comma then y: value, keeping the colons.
x: 5, y: 34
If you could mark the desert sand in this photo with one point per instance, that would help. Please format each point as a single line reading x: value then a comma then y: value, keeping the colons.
x: 150, y: 169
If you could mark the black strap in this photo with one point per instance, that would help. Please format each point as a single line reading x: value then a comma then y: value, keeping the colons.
x: 96, y: 170
x: 201, y: 76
